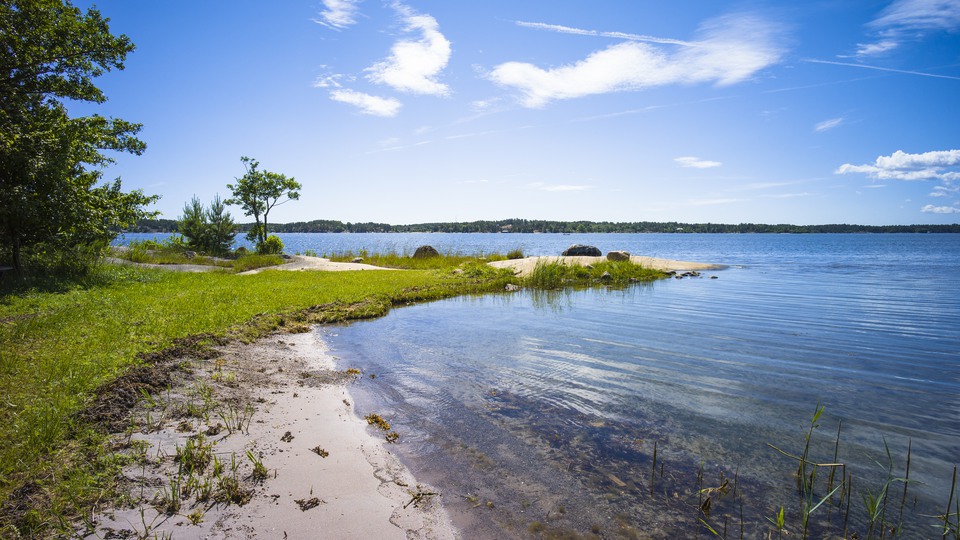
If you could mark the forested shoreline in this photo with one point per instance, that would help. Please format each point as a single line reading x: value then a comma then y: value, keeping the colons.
x: 544, y: 226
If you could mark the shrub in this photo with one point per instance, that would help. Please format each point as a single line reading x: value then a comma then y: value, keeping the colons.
x: 515, y: 254
x: 271, y: 246
x: 209, y: 230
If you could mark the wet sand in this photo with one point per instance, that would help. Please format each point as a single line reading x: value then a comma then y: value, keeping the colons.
x: 299, y: 406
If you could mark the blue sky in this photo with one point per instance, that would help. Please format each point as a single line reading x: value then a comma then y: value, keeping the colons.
x: 814, y: 112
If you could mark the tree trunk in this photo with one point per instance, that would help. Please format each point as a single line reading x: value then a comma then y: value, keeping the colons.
x: 16, y: 255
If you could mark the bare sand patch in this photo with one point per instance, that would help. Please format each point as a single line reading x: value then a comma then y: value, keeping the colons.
x: 324, y: 473
x: 303, y: 262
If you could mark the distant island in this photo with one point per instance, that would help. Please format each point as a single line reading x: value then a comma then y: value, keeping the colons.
x: 543, y: 226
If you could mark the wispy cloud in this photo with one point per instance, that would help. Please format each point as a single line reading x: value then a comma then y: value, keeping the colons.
x: 945, y: 191
x: 874, y: 49
x: 616, y: 35
x: 827, y: 125
x: 368, y: 104
x: 919, y: 15
x: 331, y: 80
x: 878, y: 68
x: 414, y: 64
x: 909, y: 19
x: 696, y: 163
x: 338, y: 14
x: 729, y: 50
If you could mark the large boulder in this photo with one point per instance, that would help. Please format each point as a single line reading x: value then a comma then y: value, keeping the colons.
x: 618, y: 256
x: 425, y: 252
x: 580, y: 250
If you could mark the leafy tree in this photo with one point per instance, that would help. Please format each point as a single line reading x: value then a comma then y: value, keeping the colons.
x: 51, y: 165
x: 257, y: 192
x: 210, y: 230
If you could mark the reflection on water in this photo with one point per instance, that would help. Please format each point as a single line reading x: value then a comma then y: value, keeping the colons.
x: 542, y: 413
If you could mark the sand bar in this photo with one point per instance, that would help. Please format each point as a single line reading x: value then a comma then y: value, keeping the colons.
x: 523, y: 267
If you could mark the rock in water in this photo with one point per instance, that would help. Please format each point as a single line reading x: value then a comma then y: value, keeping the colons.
x: 425, y: 252
x: 618, y: 256
x: 580, y: 250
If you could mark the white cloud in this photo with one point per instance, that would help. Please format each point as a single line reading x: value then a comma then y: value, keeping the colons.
x: 617, y: 35
x: 372, y: 105
x: 872, y: 49
x: 931, y: 209
x: 827, y: 125
x: 943, y: 165
x: 944, y: 191
x: 903, y: 166
x: 909, y: 19
x: 331, y: 80
x: 919, y: 15
x: 696, y: 163
x: 338, y: 14
x: 730, y: 50
x: 413, y: 65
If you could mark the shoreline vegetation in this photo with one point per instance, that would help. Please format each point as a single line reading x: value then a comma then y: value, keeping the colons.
x: 79, y: 355
x: 140, y: 401
x: 561, y: 227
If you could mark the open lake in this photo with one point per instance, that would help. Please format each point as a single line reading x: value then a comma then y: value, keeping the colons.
x: 620, y: 412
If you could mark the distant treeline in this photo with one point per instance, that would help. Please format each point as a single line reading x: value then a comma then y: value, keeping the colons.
x: 541, y: 226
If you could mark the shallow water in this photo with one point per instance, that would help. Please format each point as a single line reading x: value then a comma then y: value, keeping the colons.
x: 539, y: 413
x: 548, y: 406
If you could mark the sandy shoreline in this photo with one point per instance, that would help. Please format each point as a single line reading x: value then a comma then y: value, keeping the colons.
x: 523, y: 267
x: 299, y: 406
x: 281, y: 403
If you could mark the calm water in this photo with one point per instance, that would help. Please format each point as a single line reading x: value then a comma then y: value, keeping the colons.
x: 548, y: 406
x: 539, y: 413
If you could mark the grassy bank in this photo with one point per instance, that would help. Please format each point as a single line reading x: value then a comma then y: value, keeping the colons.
x: 58, y: 347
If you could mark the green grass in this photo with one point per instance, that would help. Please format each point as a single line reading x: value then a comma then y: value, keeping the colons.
x: 556, y: 275
x: 404, y: 261
x: 58, y: 347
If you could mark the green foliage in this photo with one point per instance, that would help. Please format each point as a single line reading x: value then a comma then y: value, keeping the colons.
x: 51, y: 165
x: 207, y: 230
x: 271, y: 246
x: 555, y: 274
x: 257, y: 192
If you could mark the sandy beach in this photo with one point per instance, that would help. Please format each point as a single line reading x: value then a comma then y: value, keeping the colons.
x: 279, y: 403
x: 328, y: 474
